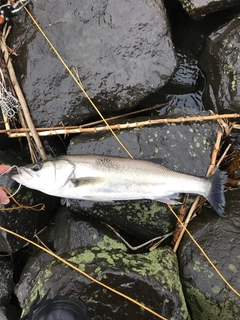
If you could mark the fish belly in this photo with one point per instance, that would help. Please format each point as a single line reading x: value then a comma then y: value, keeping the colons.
x: 129, y: 188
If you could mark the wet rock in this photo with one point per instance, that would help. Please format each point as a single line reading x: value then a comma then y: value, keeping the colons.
x: 122, y: 50
x: 3, y: 313
x: 72, y: 233
x: 24, y: 221
x: 187, y: 84
x: 151, y: 278
x: 9, y: 313
x: 221, y: 64
x: 186, y: 73
x: 143, y: 219
x: 199, y: 9
x: 162, y: 144
x: 207, y: 296
x: 7, y: 310
x: 6, y: 282
x: 37, y: 262
x: 183, y: 90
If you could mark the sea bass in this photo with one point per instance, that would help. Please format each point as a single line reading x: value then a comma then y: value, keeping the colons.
x: 100, y: 178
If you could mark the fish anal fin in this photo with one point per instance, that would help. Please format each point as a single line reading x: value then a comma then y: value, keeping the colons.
x: 86, y: 180
x: 170, y: 199
x: 97, y: 199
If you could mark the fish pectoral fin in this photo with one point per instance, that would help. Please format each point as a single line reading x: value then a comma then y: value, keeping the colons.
x: 171, y: 199
x: 86, y: 180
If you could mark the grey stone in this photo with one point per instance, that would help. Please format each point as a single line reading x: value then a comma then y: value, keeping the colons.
x: 207, y: 296
x: 221, y: 64
x: 122, y: 50
x: 151, y: 278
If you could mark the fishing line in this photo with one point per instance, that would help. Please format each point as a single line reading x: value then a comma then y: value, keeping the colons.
x: 203, y: 252
x: 12, y: 195
x: 36, y: 207
x: 76, y: 80
x: 9, y: 169
x: 84, y: 273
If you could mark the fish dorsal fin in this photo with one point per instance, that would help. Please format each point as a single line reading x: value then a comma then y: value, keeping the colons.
x: 86, y: 180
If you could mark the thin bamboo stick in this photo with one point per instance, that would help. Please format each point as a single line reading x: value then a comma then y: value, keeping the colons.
x: 29, y: 138
x: 21, y: 132
x: 19, y: 94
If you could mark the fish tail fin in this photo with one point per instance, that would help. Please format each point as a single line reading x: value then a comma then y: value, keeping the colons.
x: 216, y: 195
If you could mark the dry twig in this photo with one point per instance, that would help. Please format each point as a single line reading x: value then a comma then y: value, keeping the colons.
x: 13, y: 133
x: 181, y: 217
x: 149, y: 242
x: 19, y: 93
x: 36, y: 235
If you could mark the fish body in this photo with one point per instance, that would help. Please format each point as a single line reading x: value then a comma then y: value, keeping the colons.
x: 100, y: 178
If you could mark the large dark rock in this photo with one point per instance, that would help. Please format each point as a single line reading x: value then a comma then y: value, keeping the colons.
x: 7, y: 310
x: 151, y: 278
x: 6, y: 282
x: 221, y: 64
x: 122, y: 50
x: 183, y: 147
x: 72, y: 233
x: 207, y: 296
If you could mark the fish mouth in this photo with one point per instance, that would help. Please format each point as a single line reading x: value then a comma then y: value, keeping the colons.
x: 22, y: 175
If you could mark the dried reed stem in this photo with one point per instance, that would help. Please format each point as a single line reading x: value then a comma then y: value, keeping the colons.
x: 215, y: 152
x: 14, y: 133
x: 19, y: 93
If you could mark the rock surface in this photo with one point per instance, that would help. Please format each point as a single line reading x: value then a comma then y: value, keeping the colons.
x: 151, y: 278
x: 187, y: 84
x: 221, y: 64
x: 207, y: 296
x: 122, y: 50
x: 7, y: 310
x: 6, y: 282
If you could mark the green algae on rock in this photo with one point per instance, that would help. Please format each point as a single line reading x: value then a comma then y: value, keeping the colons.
x: 150, y: 278
x: 207, y: 296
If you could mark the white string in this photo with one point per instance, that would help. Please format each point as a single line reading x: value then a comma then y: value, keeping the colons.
x: 9, y: 169
x: 12, y: 195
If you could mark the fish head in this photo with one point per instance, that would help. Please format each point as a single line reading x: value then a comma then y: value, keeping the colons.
x: 47, y: 176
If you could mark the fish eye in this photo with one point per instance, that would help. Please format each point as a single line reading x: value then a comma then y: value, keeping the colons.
x: 36, y: 167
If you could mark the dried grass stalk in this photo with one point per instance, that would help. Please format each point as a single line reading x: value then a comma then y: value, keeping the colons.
x: 14, y: 133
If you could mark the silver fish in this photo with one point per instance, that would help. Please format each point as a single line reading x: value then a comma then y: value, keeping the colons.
x: 100, y: 178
